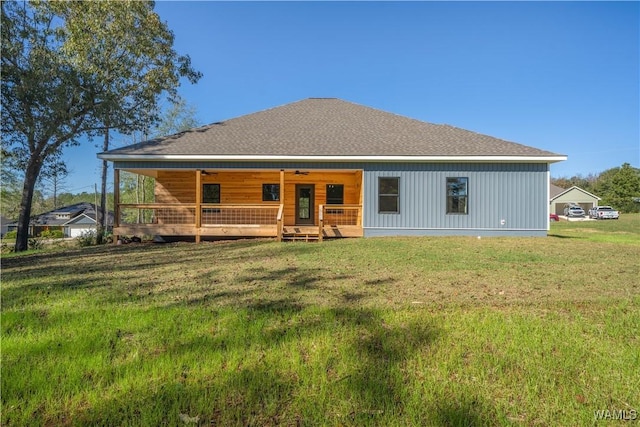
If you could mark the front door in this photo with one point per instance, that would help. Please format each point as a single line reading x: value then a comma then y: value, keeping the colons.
x: 304, y: 203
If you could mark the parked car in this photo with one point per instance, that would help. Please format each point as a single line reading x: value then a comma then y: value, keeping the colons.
x: 553, y: 217
x: 603, y: 212
x: 573, y: 211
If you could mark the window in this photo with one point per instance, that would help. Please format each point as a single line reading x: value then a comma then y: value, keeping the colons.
x: 457, y: 195
x: 335, y: 194
x: 210, y: 193
x: 270, y: 192
x: 388, y: 195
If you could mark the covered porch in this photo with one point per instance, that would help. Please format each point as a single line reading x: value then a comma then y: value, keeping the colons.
x: 226, y: 203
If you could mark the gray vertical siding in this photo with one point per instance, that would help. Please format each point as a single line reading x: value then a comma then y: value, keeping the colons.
x: 515, y: 193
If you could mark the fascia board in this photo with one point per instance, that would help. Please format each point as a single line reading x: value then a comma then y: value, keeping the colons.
x: 360, y: 158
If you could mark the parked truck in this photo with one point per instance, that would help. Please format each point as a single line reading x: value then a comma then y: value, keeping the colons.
x: 603, y: 212
x: 573, y: 210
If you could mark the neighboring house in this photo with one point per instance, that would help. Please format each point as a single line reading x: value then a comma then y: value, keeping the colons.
x: 73, y: 220
x: 559, y: 198
x: 4, y: 225
x: 554, y: 190
x: 324, y: 167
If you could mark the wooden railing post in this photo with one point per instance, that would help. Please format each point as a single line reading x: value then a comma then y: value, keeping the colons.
x: 116, y: 203
x: 281, y: 186
x: 320, y: 222
x: 279, y: 222
x: 198, y: 202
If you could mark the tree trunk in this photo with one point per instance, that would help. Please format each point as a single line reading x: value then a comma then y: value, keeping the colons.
x: 30, y: 178
x: 139, y: 220
x: 55, y: 190
x: 102, y: 223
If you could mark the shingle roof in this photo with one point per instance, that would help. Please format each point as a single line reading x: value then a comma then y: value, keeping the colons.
x: 554, y: 190
x: 325, y: 127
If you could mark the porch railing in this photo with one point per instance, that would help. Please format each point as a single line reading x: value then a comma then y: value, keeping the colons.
x: 185, y: 214
x: 215, y: 214
x: 157, y: 213
x: 148, y: 215
x: 337, y: 215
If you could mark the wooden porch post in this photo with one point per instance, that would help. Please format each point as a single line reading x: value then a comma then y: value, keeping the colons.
x: 282, y: 191
x: 361, y: 202
x: 280, y: 221
x: 116, y: 203
x: 282, y: 186
x: 198, y: 207
x: 320, y: 222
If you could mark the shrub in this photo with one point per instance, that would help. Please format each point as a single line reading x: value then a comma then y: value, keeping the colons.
x: 11, y: 235
x: 52, y: 234
x: 35, y: 243
x: 87, y: 238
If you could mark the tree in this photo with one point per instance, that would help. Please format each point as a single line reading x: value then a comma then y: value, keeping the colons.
x: 80, y: 68
x: 10, y: 188
x: 179, y: 117
x: 620, y: 186
x: 53, y: 176
x: 133, y: 62
x: 46, y: 103
x: 587, y: 183
x: 138, y: 188
x: 66, y: 199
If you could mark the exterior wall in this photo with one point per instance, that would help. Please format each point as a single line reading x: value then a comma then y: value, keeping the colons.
x: 351, y: 181
x: 4, y: 226
x: 245, y: 187
x: 175, y: 187
x: 504, y: 198
x: 77, y: 230
x: 79, y: 225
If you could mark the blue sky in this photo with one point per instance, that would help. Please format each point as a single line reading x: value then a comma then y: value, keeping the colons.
x: 560, y: 76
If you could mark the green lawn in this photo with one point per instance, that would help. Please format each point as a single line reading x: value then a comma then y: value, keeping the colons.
x: 387, y: 331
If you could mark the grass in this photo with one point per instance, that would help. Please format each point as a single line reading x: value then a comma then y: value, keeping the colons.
x: 389, y: 331
x: 623, y: 230
x: 48, y: 245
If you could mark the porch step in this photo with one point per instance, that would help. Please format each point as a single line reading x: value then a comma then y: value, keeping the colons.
x: 292, y: 237
x: 300, y: 233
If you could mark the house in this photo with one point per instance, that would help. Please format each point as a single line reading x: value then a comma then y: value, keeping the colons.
x: 324, y: 167
x: 4, y: 225
x: 559, y: 197
x: 72, y: 220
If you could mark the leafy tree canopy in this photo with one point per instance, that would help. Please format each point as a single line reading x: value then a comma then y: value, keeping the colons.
x: 618, y: 187
x: 129, y: 54
x: 79, y: 68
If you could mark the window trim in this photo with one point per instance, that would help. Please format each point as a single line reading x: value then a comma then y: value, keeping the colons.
x: 397, y: 196
x: 465, y: 197
x: 271, y: 200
